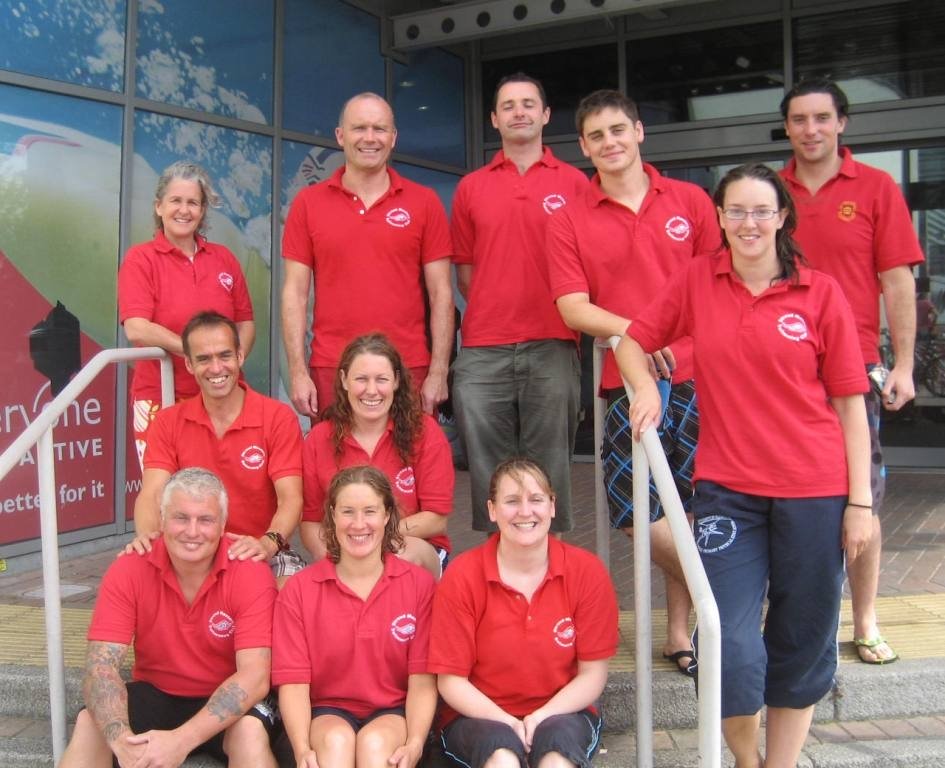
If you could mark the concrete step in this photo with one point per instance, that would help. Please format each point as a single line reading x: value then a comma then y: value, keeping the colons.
x: 672, y: 749
x: 861, y: 692
x: 909, y: 687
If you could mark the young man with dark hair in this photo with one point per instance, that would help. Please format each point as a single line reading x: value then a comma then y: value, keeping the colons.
x: 516, y: 381
x: 853, y: 224
x: 610, y: 253
x: 251, y: 441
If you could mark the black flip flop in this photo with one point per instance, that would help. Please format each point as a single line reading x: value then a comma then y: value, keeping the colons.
x: 690, y: 669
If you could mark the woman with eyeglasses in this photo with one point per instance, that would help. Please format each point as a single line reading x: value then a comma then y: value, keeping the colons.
x: 782, y: 471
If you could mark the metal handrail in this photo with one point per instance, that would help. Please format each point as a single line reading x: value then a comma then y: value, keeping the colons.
x: 40, y: 432
x: 648, y: 455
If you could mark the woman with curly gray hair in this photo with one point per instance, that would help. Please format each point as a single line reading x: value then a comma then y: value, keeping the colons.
x: 166, y: 281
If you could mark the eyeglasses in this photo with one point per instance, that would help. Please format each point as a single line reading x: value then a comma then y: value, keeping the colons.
x: 740, y: 214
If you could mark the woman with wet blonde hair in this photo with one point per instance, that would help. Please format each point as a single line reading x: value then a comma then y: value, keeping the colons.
x: 351, y: 635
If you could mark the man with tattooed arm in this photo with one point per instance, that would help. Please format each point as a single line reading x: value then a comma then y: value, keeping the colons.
x: 201, y: 626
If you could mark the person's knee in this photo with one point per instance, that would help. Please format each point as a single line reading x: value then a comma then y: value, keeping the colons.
x: 554, y: 760
x: 421, y: 552
x: 339, y: 738
x: 502, y: 758
x: 87, y: 747
x: 246, y: 738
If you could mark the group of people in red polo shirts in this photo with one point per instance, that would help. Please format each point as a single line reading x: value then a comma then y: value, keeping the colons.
x: 721, y: 300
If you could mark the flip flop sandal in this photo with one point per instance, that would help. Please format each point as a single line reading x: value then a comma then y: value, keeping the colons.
x: 872, y: 643
x: 690, y: 669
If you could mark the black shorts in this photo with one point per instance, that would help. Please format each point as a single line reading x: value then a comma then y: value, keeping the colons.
x: 150, y: 709
x: 357, y: 723
x: 471, y: 741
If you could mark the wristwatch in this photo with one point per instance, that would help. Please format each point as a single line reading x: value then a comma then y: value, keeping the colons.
x: 281, y: 544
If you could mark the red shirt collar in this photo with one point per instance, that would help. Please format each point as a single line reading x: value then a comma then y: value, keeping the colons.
x: 847, y: 166
x: 163, y: 245
x: 546, y: 159
x: 491, y: 558
x: 193, y: 409
x: 596, y: 194
x: 396, y: 181
x: 723, y: 266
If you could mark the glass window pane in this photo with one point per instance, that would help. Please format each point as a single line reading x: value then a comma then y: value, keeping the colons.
x: 444, y: 184
x: 214, y: 55
x: 240, y: 167
x: 325, y: 67
x: 429, y: 107
x: 567, y: 77
x: 893, y: 51
x: 709, y: 74
x: 60, y: 161
x: 82, y: 41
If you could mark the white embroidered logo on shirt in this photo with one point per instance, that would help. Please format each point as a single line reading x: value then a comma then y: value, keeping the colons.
x: 222, y: 625
x: 565, y: 632
x: 253, y: 457
x: 405, y: 480
x: 678, y: 228
x: 792, y: 326
x: 404, y: 627
x: 552, y: 203
x: 226, y: 280
x: 398, y: 217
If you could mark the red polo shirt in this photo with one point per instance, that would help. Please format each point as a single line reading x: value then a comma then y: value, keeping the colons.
x: 184, y: 650
x: 520, y: 653
x: 765, y: 366
x: 498, y: 225
x: 856, y: 226
x: 263, y: 445
x: 425, y: 484
x: 355, y: 654
x: 368, y: 263
x: 622, y: 259
x: 158, y: 282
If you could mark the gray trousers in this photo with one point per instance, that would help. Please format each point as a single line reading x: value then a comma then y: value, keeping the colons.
x: 518, y: 400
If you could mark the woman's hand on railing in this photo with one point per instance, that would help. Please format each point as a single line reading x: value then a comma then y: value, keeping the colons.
x: 645, y: 408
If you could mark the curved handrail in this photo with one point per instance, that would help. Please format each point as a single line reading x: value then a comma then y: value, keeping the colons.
x: 650, y: 452
x: 39, y: 432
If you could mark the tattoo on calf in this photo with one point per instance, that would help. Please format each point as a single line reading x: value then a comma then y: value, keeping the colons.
x: 227, y: 701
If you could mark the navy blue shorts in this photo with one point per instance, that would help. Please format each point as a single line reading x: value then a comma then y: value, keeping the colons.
x: 471, y: 741
x: 678, y: 433
x: 357, y: 723
x: 789, y: 550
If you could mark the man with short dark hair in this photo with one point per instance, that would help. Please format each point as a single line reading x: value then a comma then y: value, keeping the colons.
x: 516, y: 381
x: 201, y: 625
x: 610, y: 254
x: 854, y: 224
x: 377, y: 246
x: 251, y: 441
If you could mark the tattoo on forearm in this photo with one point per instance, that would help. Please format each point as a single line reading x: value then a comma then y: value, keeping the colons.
x: 227, y: 701
x: 114, y: 729
x: 105, y: 694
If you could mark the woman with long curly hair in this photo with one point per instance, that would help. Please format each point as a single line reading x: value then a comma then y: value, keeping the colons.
x: 351, y: 635
x: 376, y: 419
